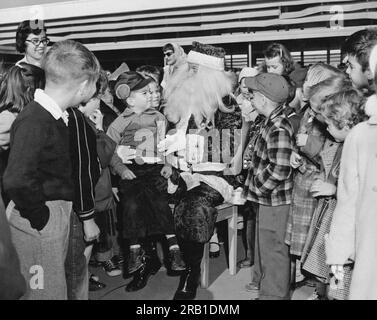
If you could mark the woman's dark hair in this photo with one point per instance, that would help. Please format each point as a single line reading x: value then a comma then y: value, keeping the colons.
x: 18, y: 86
x: 279, y: 50
x: 167, y: 47
x: 24, y: 29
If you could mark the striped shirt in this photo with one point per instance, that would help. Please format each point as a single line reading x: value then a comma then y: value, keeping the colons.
x: 269, y: 179
x: 85, y: 163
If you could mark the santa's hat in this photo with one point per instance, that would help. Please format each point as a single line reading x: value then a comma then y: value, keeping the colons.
x: 207, y: 55
x: 371, y: 104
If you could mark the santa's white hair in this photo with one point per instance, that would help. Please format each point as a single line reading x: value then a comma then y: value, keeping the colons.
x: 197, y: 93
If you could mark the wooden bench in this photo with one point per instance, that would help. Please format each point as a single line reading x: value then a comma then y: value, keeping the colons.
x: 226, y: 211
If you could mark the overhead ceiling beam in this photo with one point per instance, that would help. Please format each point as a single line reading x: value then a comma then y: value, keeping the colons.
x: 294, y: 34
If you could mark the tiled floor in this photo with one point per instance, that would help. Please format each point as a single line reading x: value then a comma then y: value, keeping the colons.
x: 222, y: 286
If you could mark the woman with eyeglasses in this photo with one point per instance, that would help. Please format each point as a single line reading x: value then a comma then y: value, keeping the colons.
x: 31, y: 40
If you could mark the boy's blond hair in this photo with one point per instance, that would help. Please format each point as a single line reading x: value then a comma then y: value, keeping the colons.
x: 68, y: 61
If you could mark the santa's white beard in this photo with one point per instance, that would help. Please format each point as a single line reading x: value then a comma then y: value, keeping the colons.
x: 196, y: 93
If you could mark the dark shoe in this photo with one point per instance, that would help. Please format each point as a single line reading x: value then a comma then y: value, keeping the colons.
x: 213, y: 253
x: 188, y: 284
x: 176, y: 261
x: 94, y: 284
x: 118, y: 261
x: 136, y: 260
x: 244, y: 263
x: 141, y: 277
x: 111, y: 269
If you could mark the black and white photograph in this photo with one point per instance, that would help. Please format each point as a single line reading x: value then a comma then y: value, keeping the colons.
x: 188, y: 155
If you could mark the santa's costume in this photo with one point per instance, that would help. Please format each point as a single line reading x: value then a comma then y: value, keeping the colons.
x: 208, y: 121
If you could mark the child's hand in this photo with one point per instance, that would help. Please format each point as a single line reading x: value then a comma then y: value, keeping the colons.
x: 97, y: 118
x: 166, y: 172
x: 301, y: 139
x: 296, y: 160
x: 320, y: 188
x: 127, y: 174
x: 91, y: 230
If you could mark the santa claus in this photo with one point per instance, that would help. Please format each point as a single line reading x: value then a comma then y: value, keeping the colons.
x: 208, y: 122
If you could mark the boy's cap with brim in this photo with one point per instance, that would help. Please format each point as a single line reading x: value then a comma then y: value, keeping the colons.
x: 271, y: 85
x: 130, y: 81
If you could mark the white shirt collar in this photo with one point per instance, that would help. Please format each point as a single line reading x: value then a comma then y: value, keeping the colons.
x: 50, y: 105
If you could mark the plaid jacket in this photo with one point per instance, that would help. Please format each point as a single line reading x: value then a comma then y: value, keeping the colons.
x: 270, y: 177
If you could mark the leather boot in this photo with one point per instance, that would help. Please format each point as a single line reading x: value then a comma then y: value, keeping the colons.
x: 141, y: 276
x: 189, y: 281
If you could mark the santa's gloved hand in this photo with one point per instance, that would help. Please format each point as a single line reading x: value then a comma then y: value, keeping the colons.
x: 126, y: 154
x: 172, y: 143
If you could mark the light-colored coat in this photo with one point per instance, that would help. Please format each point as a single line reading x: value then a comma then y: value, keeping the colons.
x: 353, y: 233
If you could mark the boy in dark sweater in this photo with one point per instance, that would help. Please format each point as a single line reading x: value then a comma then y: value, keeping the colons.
x: 38, y: 178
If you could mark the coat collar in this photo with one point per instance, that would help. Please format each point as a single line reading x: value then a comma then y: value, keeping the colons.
x: 128, y: 112
x: 277, y: 112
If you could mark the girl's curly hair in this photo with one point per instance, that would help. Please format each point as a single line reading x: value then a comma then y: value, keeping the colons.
x: 345, y: 108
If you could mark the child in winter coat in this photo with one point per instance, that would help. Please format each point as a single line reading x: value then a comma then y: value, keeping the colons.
x: 341, y: 112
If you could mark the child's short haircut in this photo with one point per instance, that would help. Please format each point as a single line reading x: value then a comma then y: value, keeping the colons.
x: 279, y: 50
x: 345, y: 108
x: 70, y: 60
x: 360, y: 44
